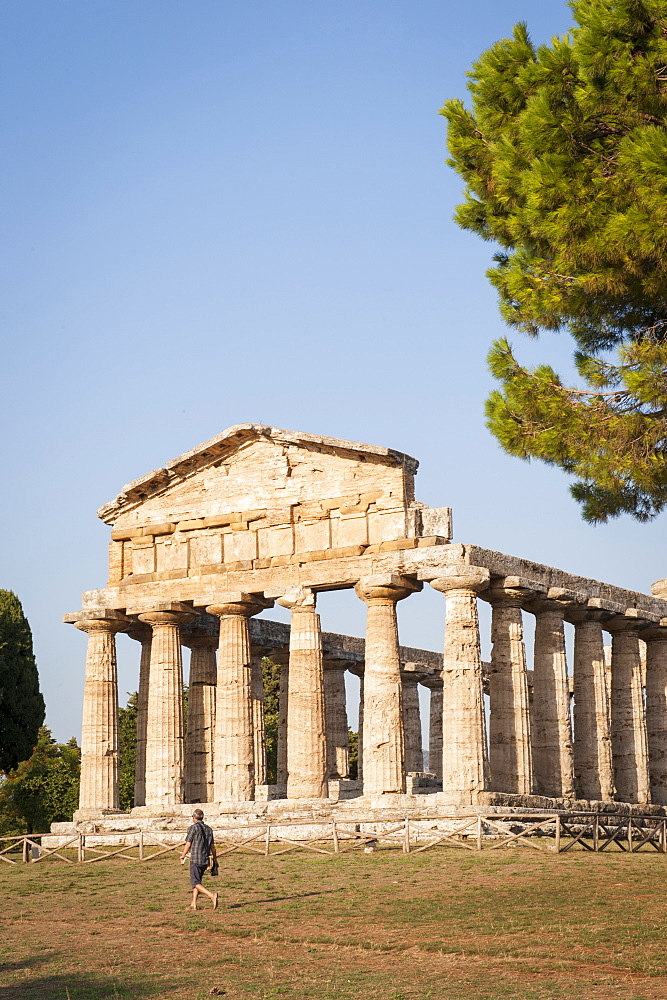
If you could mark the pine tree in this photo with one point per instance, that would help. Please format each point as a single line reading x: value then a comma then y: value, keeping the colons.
x: 564, y: 154
x: 21, y: 703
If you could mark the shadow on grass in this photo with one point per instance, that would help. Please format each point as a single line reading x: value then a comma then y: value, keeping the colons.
x: 72, y: 986
x: 282, y: 899
x: 26, y: 963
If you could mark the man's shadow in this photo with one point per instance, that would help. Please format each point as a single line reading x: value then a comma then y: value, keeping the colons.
x: 280, y: 899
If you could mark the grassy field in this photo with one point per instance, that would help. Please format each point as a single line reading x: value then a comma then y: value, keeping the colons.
x: 445, y: 924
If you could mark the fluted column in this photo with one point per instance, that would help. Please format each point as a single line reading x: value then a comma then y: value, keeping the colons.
x: 306, y: 739
x: 143, y: 634
x: 234, y: 747
x: 656, y: 711
x: 200, y: 737
x: 281, y: 657
x: 553, y: 762
x: 383, y: 738
x: 435, y: 729
x: 593, y: 764
x: 412, y: 723
x: 257, y: 694
x: 510, y: 752
x: 464, y: 753
x: 164, y: 717
x: 628, y: 717
x: 335, y: 717
x: 360, y: 732
x: 99, y: 732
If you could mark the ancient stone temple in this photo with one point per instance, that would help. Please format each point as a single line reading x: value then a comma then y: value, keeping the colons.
x: 259, y: 515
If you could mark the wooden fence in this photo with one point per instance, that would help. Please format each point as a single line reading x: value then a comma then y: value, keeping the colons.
x: 593, y: 832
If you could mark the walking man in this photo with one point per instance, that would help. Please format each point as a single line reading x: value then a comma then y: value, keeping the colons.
x: 199, y: 842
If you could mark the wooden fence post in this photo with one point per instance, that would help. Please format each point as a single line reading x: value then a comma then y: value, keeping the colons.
x: 558, y: 834
x: 406, y: 836
x: 596, y: 832
x: 479, y: 832
x: 79, y: 848
x: 26, y: 851
x: 630, y: 835
x: 335, y: 836
x: 141, y: 845
x: 268, y: 840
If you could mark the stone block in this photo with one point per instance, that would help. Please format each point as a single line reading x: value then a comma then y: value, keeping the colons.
x: 281, y: 560
x: 171, y: 553
x: 278, y: 541
x: 384, y: 526
x: 398, y: 544
x: 190, y: 525
x: 349, y: 529
x: 143, y: 559
x: 345, y: 552
x: 239, y: 566
x: 424, y: 542
x: 205, y: 549
x: 311, y: 536
x: 222, y: 520
x: 240, y: 545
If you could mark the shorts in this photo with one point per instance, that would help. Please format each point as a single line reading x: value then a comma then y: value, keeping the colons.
x: 196, y: 873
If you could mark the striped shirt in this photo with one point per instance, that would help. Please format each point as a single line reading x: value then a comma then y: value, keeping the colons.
x: 200, y: 837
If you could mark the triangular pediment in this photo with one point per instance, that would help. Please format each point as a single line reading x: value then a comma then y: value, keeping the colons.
x: 253, y: 466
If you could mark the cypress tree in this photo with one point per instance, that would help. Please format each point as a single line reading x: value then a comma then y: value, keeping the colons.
x: 564, y: 154
x: 21, y: 703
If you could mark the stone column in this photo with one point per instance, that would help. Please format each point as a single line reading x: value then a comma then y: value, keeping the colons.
x: 98, y: 791
x: 510, y: 752
x: 464, y: 755
x: 360, y: 733
x: 234, y: 747
x: 281, y: 657
x: 628, y: 717
x: 435, y: 729
x: 199, y: 777
x: 553, y: 762
x: 656, y: 710
x: 306, y: 739
x: 164, y: 714
x: 143, y: 634
x: 383, y: 746
x: 335, y: 717
x: 257, y: 694
x: 593, y: 765
x: 412, y: 723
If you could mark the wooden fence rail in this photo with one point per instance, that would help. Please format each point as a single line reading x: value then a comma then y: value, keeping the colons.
x: 553, y: 833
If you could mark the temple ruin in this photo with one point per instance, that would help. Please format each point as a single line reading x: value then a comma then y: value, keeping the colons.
x: 259, y: 515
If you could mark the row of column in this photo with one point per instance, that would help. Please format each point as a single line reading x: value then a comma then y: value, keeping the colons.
x: 618, y: 750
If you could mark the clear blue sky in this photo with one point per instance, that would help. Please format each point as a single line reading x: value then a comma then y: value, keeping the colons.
x: 218, y: 212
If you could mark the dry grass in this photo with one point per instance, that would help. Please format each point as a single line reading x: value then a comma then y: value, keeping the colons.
x: 446, y: 925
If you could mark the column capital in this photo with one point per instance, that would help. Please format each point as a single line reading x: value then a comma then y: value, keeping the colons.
x: 577, y: 614
x: 298, y: 599
x: 237, y: 602
x: 384, y: 587
x: 109, y: 626
x: 199, y: 640
x: 158, y: 619
x: 462, y: 576
x: 509, y: 591
x: 627, y: 624
x: 654, y: 633
x: 140, y: 632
